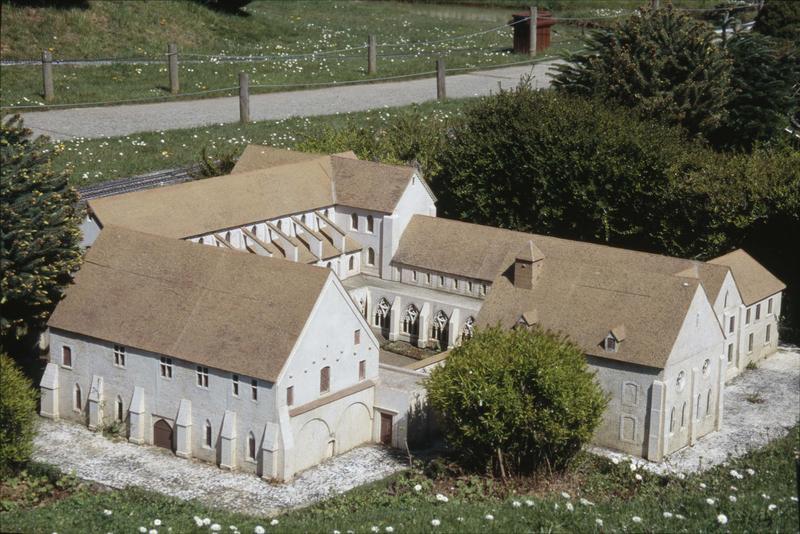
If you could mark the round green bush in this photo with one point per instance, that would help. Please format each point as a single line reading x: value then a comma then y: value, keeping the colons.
x: 17, y: 415
x: 516, y: 400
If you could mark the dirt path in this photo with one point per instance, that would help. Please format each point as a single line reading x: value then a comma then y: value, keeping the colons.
x: 111, y: 121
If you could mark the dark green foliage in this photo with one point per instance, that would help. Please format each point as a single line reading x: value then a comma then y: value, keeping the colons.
x: 661, y: 62
x: 17, y: 416
x: 766, y: 74
x: 779, y: 18
x: 218, y: 164
x: 567, y: 166
x: 519, y: 400
x: 228, y: 6
x: 40, y: 234
x: 412, y: 138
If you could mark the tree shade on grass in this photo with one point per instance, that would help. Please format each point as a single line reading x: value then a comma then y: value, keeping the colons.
x: 518, y: 400
x: 40, y: 236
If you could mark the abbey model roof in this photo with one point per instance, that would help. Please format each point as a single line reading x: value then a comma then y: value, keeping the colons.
x: 583, y: 290
x: 755, y: 283
x: 267, y: 183
x: 233, y: 311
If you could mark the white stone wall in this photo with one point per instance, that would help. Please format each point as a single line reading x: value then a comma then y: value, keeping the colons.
x: 416, y: 199
x: 759, y: 319
x: 373, y: 239
x: 693, y: 368
x: 442, y: 282
x: 162, y: 396
x: 727, y: 307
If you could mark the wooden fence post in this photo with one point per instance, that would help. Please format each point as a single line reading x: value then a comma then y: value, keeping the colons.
x: 47, y: 75
x: 172, y: 60
x: 441, y: 93
x: 372, y: 57
x: 244, y: 97
x: 532, y: 29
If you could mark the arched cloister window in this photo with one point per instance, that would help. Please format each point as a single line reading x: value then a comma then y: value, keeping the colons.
x: 119, y: 412
x: 228, y: 236
x: 280, y: 224
x: 352, y: 263
x: 251, y: 446
x: 304, y: 219
x: 370, y: 256
x: 370, y: 224
x: 353, y: 221
x: 207, y: 433
x: 708, y: 402
x: 440, y: 332
x: 469, y: 328
x: 382, y: 313
x: 78, y: 397
x: 672, y: 420
x: 683, y: 415
x: 410, y: 324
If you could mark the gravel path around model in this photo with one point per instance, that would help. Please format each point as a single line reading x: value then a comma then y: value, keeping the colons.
x: 746, y: 425
x: 113, y: 121
x: 118, y: 464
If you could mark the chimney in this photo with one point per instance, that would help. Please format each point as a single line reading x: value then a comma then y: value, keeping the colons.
x: 527, y: 265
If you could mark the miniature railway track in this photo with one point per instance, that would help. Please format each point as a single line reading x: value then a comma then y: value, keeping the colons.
x: 137, y: 183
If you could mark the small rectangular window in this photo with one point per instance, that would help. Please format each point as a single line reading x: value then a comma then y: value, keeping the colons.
x: 469, y: 287
x: 66, y: 356
x: 324, y: 379
x: 357, y: 337
x: 750, y: 343
x: 235, y: 385
x: 427, y: 278
x: 290, y: 396
x: 414, y: 276
x: 730, y: 353
x: 166, y: 367
x: 747, y: 316
x: 758, y: 312
x: 362, y: 369
x: 768, y: 334
x: 254, y: 389
x: 202, y: 376
x: 732, y: 324
x: 769, y: 306
x: 119, y: 355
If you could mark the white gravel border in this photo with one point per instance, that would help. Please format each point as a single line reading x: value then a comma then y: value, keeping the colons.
x: 119, y: 464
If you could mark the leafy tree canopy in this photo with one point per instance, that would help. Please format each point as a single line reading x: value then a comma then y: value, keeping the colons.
x: 779, y: 18
x: 659, y: 61
x: 516, y: 400
x: 40, y: 235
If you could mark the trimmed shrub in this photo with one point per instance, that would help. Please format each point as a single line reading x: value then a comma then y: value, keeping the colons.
x: 17, y: 415
x: 516, y: 400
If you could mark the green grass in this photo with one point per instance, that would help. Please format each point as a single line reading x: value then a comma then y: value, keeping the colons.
x: 109, y: 29
x: 97, y: 160
x: 616, y: 498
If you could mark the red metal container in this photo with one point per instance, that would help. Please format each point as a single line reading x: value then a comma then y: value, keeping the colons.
x: 522, y: 44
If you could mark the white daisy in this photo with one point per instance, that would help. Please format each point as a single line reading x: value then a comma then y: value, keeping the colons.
x: 772, y: 507
x: 722, y: 519
x: 441, y: 498
x: 516, y: 504
x: 599, y: 522
x: 636, y: 519
x: 489, y: 517
x: 435, y: 522
x: 667, y: 515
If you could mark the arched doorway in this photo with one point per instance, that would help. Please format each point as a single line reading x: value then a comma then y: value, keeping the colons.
x: 162, y: 434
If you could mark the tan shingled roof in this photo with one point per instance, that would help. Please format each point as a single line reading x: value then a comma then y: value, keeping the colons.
x: 269, y: 183
x: 585, y: 290
x: 202, y: 206
x: 259, y: 157
x: 483, y: 252
x: 236, y: 312
x: 753, y: 280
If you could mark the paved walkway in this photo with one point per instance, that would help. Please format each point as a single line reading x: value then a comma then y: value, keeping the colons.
x: 113, y: 121
x: 119, y: 464
x: 745, y: 425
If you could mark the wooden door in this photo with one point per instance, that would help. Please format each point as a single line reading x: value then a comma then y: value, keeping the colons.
x: 162, y: 434
x: 386, y: 429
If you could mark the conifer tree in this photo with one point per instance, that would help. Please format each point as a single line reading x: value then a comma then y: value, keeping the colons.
x: 659, y: 61
x: 40, y: 235
x: 779, y: 18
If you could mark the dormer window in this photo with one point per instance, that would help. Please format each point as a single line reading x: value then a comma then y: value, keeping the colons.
x: 611, y: 344
x: 614, y: 337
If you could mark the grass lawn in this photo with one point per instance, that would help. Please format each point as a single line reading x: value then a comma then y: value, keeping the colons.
x: 277, y: 29
x: 756, y: 493
x: 97, y: 160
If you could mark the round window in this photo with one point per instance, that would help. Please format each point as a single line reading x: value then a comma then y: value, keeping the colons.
x: 681, y: 380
